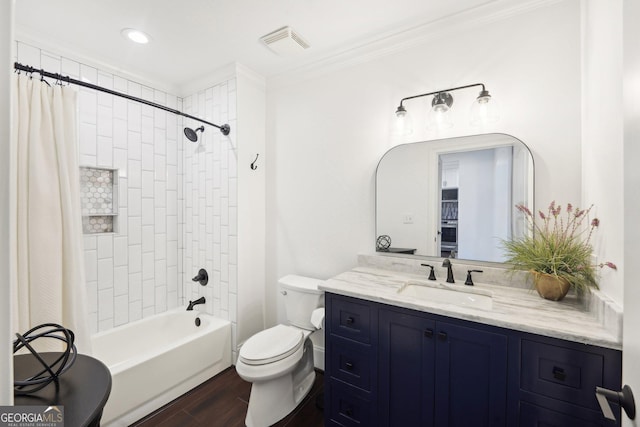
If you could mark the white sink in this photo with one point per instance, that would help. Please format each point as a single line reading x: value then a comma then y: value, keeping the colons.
x: 459, y: 295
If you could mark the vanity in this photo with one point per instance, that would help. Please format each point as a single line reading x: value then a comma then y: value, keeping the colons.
x: 397, y: 358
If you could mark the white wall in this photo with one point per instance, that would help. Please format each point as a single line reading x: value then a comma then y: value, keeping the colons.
x: 326, y: 131
x: 602, y: 135
x: 6, y: 332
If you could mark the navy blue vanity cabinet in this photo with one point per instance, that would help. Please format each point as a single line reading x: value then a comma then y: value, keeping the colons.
x: 392, y: 366
x: 436, y: 372
x: 556, y: 381
x: 351, y: 362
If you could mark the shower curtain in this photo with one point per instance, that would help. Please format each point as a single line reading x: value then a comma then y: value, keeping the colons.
x: 48, y: 283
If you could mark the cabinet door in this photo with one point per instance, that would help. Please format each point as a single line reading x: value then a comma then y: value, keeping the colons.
x: 471, y: 377
x: 406, y: 369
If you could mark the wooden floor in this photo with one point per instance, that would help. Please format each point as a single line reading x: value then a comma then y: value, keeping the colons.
x: 222, y: 402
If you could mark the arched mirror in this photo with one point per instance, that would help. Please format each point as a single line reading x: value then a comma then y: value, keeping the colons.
x: 453, y: 197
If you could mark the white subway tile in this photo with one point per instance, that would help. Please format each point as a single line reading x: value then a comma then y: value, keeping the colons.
x: 160, y: 275
x: 105, y: 304
x: 121, y: 311
x: 172, y: 278
x: 88, y: 138
x: 161, y: 299
x: 148, y: 239
x: 160, y: 141
x: 120, y: 85
x: 148, y: 293
x: 148, y: 311
x: 88, y: 73
x: 160, y: 247
x: 135, y: 230
x: 120, y: 162
x: 135, y: 310
x: 90, y: 242
x: 122, y: 219
x: 135, y: 259
x: 105, y: 273
x: 134, y: 144
x: 160, y: 167
x: 172, y: 253
x: 121, y: 281
x: 104, y: 155
x: 134, y: 173
x: 134, y: 201
x: 135, y: 286
x: 105, y: 246
x: 161, y: 220
x: 147, y: 133
x: 233, y: 279
x: 147, y: 183
x: 105, y: 121
x: 148, y: 266
x: 148, y: 212
x: 120, y: 133
x: 105, y: 325
x: 147, y: 157
x: 160, y: 193
x: 159, y: 118
x: 88, y: 106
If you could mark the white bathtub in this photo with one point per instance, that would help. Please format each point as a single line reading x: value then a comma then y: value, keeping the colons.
x: 156, y: 359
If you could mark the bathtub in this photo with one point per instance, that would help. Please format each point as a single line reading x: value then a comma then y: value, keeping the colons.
x: 156, y: 359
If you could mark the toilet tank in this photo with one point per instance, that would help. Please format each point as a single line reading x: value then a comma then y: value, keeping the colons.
x: 301, y: 297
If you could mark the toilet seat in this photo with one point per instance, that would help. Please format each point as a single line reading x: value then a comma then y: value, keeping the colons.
x: 271, y: 345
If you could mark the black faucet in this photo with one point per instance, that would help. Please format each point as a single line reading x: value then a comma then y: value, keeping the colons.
x: 200, y: 300
x: 447, y: 263
x: 432, y: 275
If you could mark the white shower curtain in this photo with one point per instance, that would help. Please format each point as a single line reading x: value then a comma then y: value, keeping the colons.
x: 47, y: 262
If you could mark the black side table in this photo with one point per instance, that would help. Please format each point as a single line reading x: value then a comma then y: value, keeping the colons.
x: 83, y: 390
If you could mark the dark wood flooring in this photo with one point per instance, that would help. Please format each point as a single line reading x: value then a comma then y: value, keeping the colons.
x: 222, y: 402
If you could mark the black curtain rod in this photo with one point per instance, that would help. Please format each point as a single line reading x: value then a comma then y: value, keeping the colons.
x: 225, y: 129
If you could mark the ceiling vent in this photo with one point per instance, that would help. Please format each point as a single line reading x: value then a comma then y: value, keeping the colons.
x: 285, y: 41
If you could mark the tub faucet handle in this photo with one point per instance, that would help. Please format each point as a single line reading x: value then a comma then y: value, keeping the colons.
x: 202, y: 277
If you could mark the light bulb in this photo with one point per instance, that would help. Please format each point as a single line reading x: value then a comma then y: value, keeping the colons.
x: 484, y: 110
x: 403, y: 124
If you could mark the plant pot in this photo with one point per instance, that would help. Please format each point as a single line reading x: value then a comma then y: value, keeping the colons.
x: 549, y: 286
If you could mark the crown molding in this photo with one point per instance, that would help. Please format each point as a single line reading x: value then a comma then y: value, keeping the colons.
x: 398, y: 41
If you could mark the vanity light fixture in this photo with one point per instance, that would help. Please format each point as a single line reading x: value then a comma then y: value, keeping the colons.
x: 484, y: 110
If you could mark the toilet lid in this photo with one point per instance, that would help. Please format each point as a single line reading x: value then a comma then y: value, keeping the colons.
x: 271, y: 345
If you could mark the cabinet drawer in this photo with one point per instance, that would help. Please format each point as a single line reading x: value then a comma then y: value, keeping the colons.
x: 352, y: 363
x: 351, y: 319
x: 561, y: 373
x: 350, y: 406
x: 537, y: 416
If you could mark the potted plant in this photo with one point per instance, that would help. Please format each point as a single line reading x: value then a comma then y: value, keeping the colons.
x: 557, y: 251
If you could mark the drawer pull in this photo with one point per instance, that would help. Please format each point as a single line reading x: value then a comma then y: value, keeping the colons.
x: 349, y: 366
x: 428, y: 333
x: 350, y: 320
x: 558, y: 373
x: 442, y: 336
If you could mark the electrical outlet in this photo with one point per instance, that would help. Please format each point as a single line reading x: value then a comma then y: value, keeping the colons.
x: 408, y: 219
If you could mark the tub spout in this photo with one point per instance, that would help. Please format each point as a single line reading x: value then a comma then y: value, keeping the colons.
x: 200, y: 300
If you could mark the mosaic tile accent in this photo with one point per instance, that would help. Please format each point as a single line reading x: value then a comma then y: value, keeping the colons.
x: 98, y: 187
x: 96, y: 191
x: 97, y: 224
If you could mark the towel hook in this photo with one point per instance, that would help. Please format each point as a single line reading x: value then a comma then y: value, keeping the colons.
x: 253, y: 164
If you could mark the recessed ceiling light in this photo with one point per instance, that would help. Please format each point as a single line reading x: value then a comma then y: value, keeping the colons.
x: 136, y: 36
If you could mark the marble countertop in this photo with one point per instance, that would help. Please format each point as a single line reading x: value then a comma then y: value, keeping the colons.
x: 516, y: 308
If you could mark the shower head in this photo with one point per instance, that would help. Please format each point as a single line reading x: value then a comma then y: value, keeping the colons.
x: 192, y: 134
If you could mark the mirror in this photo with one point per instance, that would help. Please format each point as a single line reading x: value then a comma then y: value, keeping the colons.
x: 453, y: 197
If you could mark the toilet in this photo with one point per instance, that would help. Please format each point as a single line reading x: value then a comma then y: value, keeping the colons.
x: 279, y: 361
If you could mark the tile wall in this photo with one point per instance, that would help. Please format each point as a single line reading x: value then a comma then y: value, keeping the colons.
x: 177, y: 200
x: 136, y: 271
x: 210, y: 202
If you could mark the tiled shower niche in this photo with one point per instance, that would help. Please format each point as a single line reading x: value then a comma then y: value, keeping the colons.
x: 98, y: 190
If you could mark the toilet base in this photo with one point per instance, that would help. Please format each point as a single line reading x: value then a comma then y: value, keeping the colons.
x: 272, y: 400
